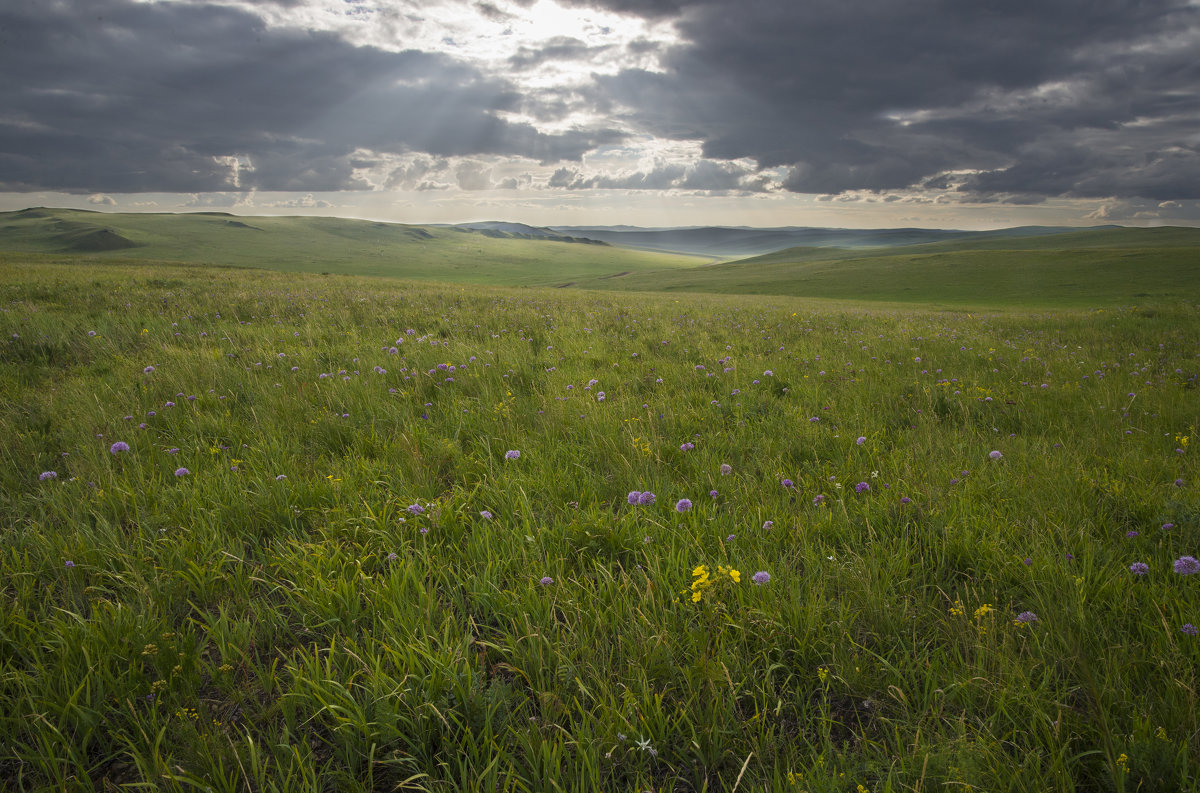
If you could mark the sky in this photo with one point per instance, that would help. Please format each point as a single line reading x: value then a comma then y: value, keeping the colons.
x: 846, y: 113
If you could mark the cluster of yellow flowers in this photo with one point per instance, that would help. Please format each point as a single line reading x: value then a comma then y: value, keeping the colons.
x: 980, y: 616
x: 702, y: 580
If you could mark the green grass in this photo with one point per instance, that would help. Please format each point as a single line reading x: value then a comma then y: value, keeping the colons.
x: 318, y: 245
x: 278, y: 618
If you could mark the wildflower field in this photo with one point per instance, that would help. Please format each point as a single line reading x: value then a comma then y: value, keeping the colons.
x: 277, y: 532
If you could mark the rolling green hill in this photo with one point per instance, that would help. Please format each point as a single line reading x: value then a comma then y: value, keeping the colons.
x: 313, y: 244
x: 1100, y: 266
x: 1093, y: 267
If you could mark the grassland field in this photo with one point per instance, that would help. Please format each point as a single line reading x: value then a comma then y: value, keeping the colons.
x: 290, y: 532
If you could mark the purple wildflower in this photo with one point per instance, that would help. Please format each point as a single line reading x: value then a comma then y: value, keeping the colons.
x: 1131, y: 534
x: 148, y: 369
x: 683, y: 505
x: 1026, y: 617
x: 713, y: 494
x: 905, y: 500
x: 862, y: 487
x: 182, y: 472
x: 415, y: 509
x: 768, y: 524
x: 861, y: 440
x: 788, y: 483
x: 546, y: 581
x: 1189, y: 629
x: 647, y: 498
x: 69, y: 564
x: 1028, y: 560
x: 391, y: 557
x: 1187, y: 565
x: 1139, y: 568
x: 634, y: 497
x: 726, y: 469
x: 511, y: 454
x: 281, y: 477
x: 119, y: 446
x: 731, y: 538
x: 995, y: 455
x: 47, y: 475
x: 485, y: 514
x: 761, y: 577
x: 687, y: 447
x: 818, y: 500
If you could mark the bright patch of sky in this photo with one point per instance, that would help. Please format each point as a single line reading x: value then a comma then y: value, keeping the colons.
x: 495, y: 35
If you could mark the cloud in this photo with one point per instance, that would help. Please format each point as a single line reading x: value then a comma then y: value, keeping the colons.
x: 101, y: 199
x: 472, y: 175
x: 306, y: 201
x: 119, y: 96
x: 705, y: 176
x: 1073, y: 98
x: 559, y: 48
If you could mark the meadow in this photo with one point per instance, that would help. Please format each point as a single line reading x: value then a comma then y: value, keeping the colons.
x: 284, y: 532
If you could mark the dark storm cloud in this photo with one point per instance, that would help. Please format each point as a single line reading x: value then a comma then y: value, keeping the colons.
x: 118, y: 96
x: 1074, y: 97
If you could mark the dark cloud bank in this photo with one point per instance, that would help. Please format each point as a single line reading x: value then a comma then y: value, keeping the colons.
x: 1013, y: 101
x: 1026, y: 100
x: 114, y: 96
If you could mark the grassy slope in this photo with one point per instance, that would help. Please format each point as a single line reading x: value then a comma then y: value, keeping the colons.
x: 1106, y: 267
x: 334, y: 245
x: 1091, y: 267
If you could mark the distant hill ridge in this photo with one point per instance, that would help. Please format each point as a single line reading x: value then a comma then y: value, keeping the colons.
x: 485, y: 253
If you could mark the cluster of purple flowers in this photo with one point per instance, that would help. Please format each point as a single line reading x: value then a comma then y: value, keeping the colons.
x: 645, y: 498
x: 511, y: 454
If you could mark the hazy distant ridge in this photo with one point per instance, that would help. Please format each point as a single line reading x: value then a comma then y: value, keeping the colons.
x: 737, y: 242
